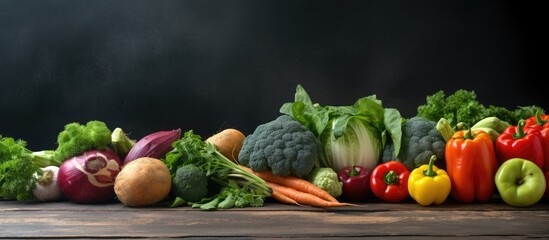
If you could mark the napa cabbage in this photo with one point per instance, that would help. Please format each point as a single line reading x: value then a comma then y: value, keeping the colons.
x: 354, y: 134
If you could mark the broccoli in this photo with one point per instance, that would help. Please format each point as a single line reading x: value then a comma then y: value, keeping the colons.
x: 190, y: 183
x: 284, y: 146
x: 76, y: 139
x: 420, y: 140
x: 326, y: 178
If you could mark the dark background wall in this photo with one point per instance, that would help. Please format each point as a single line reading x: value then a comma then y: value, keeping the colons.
x: 207, y: 65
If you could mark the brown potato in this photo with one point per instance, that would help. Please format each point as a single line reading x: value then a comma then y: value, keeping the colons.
x: 143, y: 182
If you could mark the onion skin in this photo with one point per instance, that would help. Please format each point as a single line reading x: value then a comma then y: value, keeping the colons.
x: 89, y: 177
x: 154, y: 145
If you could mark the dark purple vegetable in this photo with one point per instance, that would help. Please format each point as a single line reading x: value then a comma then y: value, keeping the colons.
x: 154, y: 145
x: 89, y: 177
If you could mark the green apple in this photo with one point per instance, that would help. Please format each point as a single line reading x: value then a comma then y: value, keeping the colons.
x: 520, y: 182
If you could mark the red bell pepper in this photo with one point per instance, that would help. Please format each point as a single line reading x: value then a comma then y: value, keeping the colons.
x: 471, y: 164
x: 356, y: 183
x: 389, y: 181
x: 520, y: 142
x: 541, y: 122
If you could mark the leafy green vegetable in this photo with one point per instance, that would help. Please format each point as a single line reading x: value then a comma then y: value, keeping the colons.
x: 247, y: 188
x: 231, y: 195
x: 18, y: 166
x: 76, y: 139
x: 463, y: 106
x: 16, y: 170
x: 349, y: 134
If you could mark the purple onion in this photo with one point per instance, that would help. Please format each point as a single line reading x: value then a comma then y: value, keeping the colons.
x: 89, y: 177
x: 154, y: 145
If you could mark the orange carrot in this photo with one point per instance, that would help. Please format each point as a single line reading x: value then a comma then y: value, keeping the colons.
x: 303, y: 197
x: 282, y: 198
x: 293, y: 182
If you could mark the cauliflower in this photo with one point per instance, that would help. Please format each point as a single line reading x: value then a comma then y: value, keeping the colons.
x: 326, y: 178
x: 284, y: 146
x: 420, y: 140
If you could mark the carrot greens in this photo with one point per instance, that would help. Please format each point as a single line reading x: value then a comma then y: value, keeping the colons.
x: 234, y: 186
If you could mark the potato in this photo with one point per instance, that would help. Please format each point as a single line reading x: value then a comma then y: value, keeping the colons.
x: 143, y: 182
x: 228, y: 142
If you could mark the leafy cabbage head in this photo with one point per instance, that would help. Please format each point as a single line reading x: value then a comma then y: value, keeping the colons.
x: 359, y: 145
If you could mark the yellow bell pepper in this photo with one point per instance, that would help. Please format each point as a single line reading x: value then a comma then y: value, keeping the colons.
x: 428, y: 184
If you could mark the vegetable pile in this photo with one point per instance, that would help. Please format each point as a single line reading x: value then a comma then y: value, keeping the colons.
x: 453, y: 149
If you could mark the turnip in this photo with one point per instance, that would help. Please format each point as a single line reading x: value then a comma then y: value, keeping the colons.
x: 47, y: 188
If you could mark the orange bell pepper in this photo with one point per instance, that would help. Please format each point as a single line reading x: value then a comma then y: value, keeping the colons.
x: 471, y: 164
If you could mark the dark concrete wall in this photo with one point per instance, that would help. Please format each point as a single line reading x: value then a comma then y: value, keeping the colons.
x: 207, y: 65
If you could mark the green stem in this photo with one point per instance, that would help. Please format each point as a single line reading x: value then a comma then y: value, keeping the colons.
x: 444, y: 128
x: 353, y: 172
x: 45, y: 158
x: 120, y: 142
x: 540, y: 121
x: 520, y: 130
x: 245, y: 181
x: 429, y: 172
x: 238, y: 172
x: 468, y: 134
x: 390, y: 178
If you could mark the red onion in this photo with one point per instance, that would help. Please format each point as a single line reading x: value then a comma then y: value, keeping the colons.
x: 89, y: 177
x: 154, y: 145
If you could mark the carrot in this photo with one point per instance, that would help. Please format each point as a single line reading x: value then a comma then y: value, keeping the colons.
x: 228, y: 142
x: 303, y: 197
x: 281, y: 197
x: 295, y: 183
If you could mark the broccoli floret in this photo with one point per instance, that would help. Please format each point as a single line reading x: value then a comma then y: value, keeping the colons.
x: 76, y: 139
x: 326, y: 178
x: 284, y: 146
x: 190, y: 183
x: 420, y: 140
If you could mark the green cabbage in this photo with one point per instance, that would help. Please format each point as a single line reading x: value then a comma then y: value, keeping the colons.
x: 359, y: 145
x: 350, y: 135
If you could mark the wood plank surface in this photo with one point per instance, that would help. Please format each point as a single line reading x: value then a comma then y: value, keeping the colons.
x: 274, y: 220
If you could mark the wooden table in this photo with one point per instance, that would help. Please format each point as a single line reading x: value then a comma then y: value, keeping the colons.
x: 274, y: 220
